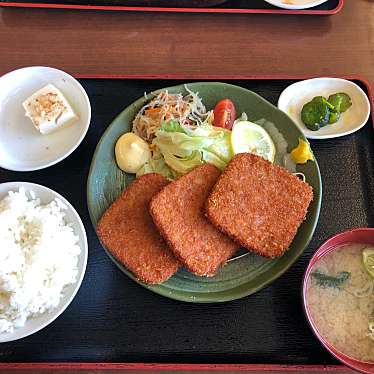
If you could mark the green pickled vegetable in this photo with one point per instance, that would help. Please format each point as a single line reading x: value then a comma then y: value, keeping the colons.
x: 341, y: 102
x: 319, y: 112
x: 325, y: 280
x: 316, y: 113
x: 334, y: 117
x: 323, y: 100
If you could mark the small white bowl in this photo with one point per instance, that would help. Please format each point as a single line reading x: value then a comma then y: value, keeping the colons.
x: 46, y: 195
x: 293, y: 98
x: 296, y: 4
x: 22, y: 147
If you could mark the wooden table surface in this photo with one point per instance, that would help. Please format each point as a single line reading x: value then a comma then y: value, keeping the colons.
x: 89, y: 42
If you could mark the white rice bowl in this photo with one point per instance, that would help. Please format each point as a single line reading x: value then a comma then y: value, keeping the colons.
x: 43, y: 256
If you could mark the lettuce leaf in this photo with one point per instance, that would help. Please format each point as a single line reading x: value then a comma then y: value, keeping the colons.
x: 157, y: 165
x: 179, y: 149
x: 172, y: 126
x: 183, y: 147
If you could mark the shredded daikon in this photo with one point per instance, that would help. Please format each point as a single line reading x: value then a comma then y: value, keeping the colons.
x: 188, y: 110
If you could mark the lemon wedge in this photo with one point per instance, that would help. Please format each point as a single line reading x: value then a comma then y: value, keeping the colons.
x: 248, y: 137
x: 368, y: 259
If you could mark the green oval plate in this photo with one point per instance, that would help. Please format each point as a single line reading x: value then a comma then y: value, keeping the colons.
x: 240, y: 277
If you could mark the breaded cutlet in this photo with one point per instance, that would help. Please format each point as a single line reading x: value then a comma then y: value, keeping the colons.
x: 126, y: 229
x: 178, y: 212
x: 258, y: 204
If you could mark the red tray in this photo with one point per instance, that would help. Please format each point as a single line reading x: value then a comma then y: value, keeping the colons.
x: 169, y: 368
x: 333, y: 7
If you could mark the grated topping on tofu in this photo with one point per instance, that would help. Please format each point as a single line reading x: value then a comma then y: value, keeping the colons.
x: 49, y: 107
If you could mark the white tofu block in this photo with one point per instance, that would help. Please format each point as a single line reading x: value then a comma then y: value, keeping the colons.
x: 49, y: 110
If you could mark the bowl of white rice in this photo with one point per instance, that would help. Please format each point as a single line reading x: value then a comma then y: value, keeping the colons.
x: 43, y: 257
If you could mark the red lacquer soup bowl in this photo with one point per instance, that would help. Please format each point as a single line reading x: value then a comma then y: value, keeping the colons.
x: 358, y: 236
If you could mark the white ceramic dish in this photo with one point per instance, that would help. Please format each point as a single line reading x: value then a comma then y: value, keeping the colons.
x: 295, y: 4
x: 293, y: 98
x: 22, y: 147
x: 46, y: 195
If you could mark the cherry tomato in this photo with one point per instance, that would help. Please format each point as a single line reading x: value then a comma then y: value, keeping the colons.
x: 224, y: 114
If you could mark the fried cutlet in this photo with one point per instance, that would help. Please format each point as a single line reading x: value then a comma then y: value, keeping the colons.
x: 126, y: 229
x: 258, y: 204
x: 178, y: 212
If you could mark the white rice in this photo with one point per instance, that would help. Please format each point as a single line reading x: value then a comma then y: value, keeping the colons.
x: 38, y: 256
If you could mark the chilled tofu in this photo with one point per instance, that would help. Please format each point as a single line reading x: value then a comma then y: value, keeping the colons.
x: 49, y: 110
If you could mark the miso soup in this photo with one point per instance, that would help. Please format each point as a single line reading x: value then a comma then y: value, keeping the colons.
x: 340, y: 299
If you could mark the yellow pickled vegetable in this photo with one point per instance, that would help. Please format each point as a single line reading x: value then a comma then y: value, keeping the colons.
x: 302, y: 153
